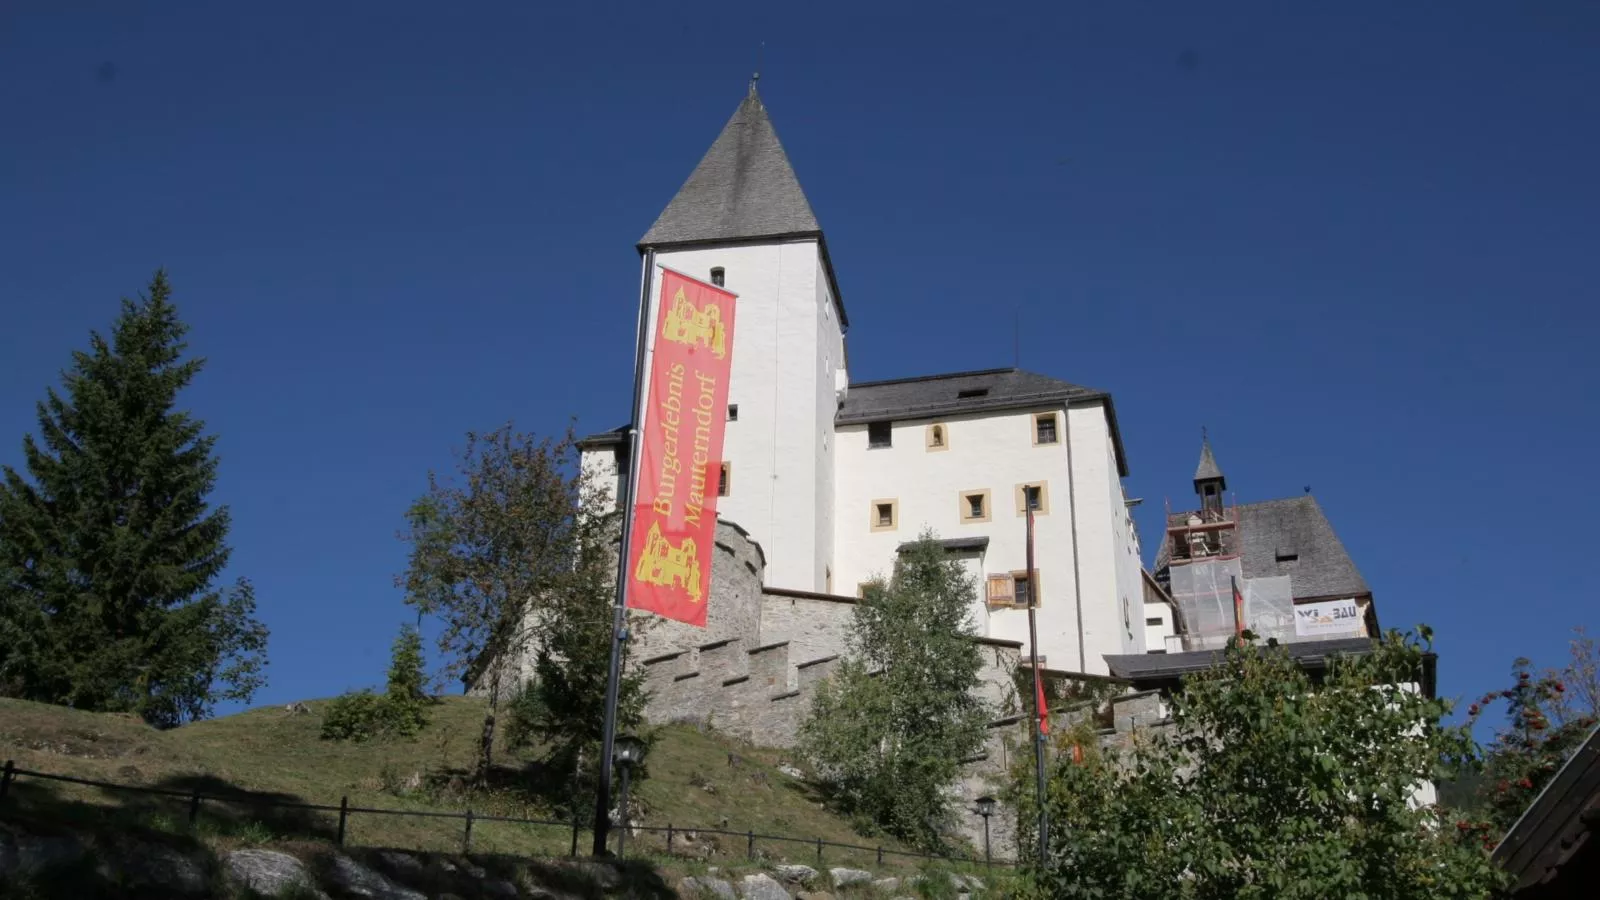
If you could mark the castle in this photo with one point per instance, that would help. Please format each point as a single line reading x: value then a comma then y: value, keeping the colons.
x: 831, y: 477
x: 823, y: 481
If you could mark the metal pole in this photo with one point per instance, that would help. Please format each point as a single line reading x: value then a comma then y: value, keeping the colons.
x: 987, y: 859
x: 1038, y: 714
x: 622, y: 836
x: 344, y: 813
x: 619, y: 619
x: 6, y: 776
x: 466, y: 837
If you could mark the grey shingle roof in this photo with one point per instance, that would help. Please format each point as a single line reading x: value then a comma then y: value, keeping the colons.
x: 1275, y: 530
x: 1208, y: 468
x: 987, y: 390
x: 618, y: 435
x: 743, y: 188
x: 1278, y: 529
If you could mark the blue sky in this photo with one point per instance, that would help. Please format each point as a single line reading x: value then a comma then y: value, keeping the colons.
x: 1356, y: 240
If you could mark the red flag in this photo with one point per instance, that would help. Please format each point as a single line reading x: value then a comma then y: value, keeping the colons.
x: 680, y: 464
x: 1039, y: 704
x: 1238, y: 606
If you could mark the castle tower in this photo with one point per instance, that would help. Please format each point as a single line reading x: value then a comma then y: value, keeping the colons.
x: 1209, y: 482
x: 742, y: 220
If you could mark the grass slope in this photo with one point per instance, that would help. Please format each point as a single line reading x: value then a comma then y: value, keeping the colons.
x: 270, y: 752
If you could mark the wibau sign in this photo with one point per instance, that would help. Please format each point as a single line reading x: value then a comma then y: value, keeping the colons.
x: 1327, y: 617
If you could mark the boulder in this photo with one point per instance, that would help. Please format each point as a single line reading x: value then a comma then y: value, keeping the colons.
x: 706, y: 886
x: 965, y: 882
x: 813, y: 895
x: 760, y: 886
x: 795, y: 874
x: 356, y: 880
x: 29, y: 853
x: 887, y: 885
x: 842, y: 877
x: 155, y: 868
x: 269, y: 873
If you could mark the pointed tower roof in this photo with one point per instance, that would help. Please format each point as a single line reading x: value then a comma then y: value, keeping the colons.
x: 1208, y: 470
x: 743, y: 188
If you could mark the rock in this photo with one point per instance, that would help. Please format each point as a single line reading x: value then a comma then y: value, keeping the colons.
x: 28, y: 853
x: 791, y: 771
x: 154, y: 868
x: 963, y: 896
x: 402, y: 864
x: 352, y: 878
x: 813, y: 895
x: 760, y: 886
x: 297, y: 709
x: 795, y: 874
x: 887, y: 885
x: 270, y: 873
x: 501, y: 888
x: 705, y: 886
x: 842, y: 877
x: 965, y: 882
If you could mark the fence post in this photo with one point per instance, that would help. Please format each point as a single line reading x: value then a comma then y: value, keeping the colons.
x: 194, y: 808
x: 6, y: 775
x: 344, y: 813
x: 880, y: 855
x: 669, y: 838
x: 819, y: 853
x: 466, y: 839
x: 575, y: 823
x: 750, y: 845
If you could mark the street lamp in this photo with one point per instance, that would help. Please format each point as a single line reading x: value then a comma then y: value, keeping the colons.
x: 986, y: 809
x: 629, y: 751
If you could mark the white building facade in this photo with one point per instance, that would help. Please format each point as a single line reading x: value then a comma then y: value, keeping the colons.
x: 832, y: 478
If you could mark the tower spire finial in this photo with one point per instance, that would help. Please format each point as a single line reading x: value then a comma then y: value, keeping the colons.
x: 761, y: 51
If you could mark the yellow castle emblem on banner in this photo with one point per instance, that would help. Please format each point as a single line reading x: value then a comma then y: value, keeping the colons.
x: 663, y: 565
x: 688, y: 324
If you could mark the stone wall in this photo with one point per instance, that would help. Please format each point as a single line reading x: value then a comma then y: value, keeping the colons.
x: 737, y: 566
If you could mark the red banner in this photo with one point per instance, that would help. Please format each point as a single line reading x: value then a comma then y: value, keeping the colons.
x: 675, y: 515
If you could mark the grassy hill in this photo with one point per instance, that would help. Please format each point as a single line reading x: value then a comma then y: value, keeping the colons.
x: 270, y: 753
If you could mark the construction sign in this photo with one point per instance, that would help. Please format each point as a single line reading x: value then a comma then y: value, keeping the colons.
x: 680, y: 465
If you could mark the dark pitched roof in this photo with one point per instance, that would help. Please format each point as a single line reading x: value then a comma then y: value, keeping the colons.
x: 1153, y: 669
x: 1552, y: 850
x: 618, y: 435
x: 743, y: 188
x: 953, y: 545
x: 1292, y: 537
x: 987, y: 390
x: 1208, y: 468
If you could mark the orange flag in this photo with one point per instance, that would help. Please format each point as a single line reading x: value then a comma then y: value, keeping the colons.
x: 680, y: 465
x: 1040, y: 705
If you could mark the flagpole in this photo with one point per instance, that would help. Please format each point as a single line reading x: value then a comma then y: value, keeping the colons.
x: 619, y: 619
x: 1038, y: 690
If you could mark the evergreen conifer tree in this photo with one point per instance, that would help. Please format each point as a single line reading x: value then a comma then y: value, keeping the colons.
x: 109, y: 550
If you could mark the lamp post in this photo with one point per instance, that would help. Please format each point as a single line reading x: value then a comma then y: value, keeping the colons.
x: 986, y: 809
x: 629, y: 751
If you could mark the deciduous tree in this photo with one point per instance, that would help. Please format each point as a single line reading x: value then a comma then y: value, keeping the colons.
x: 1268, y: 785
x: 887, y: 733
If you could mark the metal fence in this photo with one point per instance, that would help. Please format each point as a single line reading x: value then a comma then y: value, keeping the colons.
x: 195, y: 800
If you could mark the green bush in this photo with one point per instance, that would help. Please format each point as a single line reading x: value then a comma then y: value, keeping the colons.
x: 353, y: 716
x: 402, y: 711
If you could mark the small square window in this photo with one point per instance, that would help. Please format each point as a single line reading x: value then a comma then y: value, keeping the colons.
x: 938, y: 436
x: 733, y: 412
x: 1154, y: 620
x: 885, y: 515
x: 974, y: 506
x: 972, y: 393
x: 1033, y: 496
x: 1044, y: 428
x: 1022, y: 592
x: 880, y: 434
x: 719, y: 276
x: 725, y: 480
